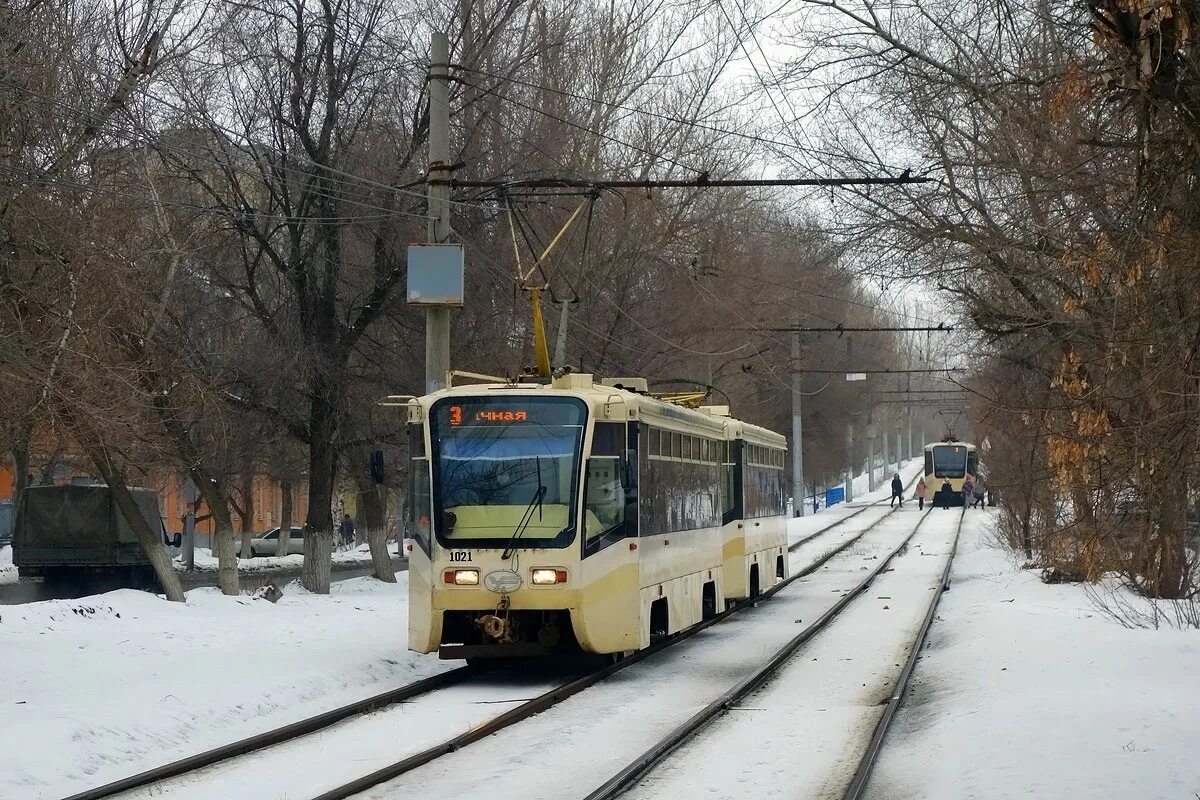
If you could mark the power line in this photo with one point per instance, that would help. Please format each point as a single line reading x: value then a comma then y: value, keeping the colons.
x: 885, y: 371
x: 846, y: 329
x: 645, y: 112
x: 697, y: 183
x: 580, y: 127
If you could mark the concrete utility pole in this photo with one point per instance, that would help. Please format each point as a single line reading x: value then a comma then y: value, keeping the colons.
x: 871, y: 434
x: 908, y: 415
x: 887, y: 461
x: 849, y: 461
x: 437, y: 318
x: 797, y: 433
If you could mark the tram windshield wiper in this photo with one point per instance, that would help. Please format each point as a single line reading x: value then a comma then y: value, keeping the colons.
x: 535, y: 504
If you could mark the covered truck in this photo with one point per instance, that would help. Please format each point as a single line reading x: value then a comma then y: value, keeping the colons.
x: 76, y: 536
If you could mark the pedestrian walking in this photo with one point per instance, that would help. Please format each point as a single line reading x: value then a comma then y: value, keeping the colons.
x: 945, y: 493
x: 968, y: 492
x: 897, y: 490
x: 920, y: 494
x: 347, y: 531
x: 980, y: 493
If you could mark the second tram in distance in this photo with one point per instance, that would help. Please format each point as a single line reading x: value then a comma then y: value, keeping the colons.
x: 583, y: 516
x: 949, y: 462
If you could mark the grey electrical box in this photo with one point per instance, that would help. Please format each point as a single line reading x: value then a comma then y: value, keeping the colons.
x: 435, y: 274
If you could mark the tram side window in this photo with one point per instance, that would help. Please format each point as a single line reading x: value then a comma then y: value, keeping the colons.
x: 731, y: 482
x: 419, y: 500
x: 762, y: 482
x: 680, y: 485
x: 611, y: 490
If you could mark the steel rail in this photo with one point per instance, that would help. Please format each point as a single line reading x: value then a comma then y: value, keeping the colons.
x: 640, y: 766
x: 862, y: 775
x: 557, y: 695
x: 277, y: 736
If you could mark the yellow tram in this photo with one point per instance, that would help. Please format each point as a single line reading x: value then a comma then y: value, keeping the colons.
x: 949, y: 462
x: 578, y: 515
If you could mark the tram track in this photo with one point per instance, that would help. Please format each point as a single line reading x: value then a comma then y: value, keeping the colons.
x: 454, y: 677
x: 866, y: 765
x: 643, y: 764
x: 555, y: 696
x: 285, y: 733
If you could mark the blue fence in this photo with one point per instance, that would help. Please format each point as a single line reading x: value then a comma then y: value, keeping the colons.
x: 834, y: 496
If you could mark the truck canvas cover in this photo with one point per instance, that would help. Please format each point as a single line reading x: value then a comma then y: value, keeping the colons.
x: 78, y: 519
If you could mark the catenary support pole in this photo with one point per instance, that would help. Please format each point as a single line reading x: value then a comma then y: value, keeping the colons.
x: 797, y: 433
x: 560, y: 344
x: 887, y: 460
x: 437, y: 318
x: 849, y: 461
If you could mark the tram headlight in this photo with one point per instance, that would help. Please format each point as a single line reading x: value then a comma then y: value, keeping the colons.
x: 548, y: 576
x: 461, y: 577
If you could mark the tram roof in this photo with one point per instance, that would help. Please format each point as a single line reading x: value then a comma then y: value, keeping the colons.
x: 600, y: 397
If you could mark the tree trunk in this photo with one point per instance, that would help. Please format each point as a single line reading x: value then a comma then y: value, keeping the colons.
x: 150, y: 540
x: 1168, y: 578
x: 20, y: 456
x: 322, y: 465
x: 371, y: 515
x: 247, y: 514
x: 223, y: 545
x: 285, y: 517
x: 226, y: 553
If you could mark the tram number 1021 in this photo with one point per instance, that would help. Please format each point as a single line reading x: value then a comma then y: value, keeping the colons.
x: 460, y: 555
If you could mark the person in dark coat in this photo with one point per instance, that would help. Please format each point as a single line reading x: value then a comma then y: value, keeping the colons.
x: 945, y: 493
x: 347, y: 531
x: 897, y: 490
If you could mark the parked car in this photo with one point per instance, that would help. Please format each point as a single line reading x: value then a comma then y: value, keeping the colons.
x: 268, y: 543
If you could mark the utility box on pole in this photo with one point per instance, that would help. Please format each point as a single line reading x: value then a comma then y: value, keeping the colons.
x: 435, y: 275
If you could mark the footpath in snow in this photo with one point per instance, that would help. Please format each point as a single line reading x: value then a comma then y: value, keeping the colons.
x: 1028, y: 690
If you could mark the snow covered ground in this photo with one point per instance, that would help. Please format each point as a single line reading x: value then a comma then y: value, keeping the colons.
x: 8, y: 573
x: 106, y: 686
x: 1026, y: 690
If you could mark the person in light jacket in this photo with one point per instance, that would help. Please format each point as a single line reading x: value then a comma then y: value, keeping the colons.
x: 920, y: 493
x: 968, y: 492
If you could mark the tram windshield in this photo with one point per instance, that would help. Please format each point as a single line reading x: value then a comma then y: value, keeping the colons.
x: 504, y: 459
x: 949, y: 461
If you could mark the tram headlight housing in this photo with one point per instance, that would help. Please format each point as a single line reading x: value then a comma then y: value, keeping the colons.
x: 461, y: 577
x: 548, y: 576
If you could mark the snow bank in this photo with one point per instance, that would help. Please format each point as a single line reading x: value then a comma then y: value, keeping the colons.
x: 1027, y: 690
x: 8, y: 573
x: 205, y: 560
x: 106, y: 686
